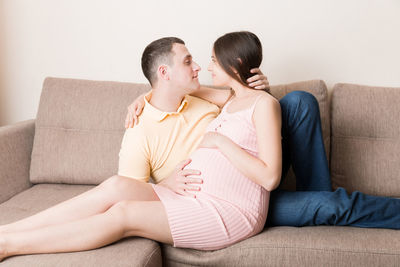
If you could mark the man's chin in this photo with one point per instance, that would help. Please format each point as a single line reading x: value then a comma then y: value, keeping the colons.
x: 195, y: 87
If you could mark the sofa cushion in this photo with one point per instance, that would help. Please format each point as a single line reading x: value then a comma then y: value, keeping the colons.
x: 133, y: 251
x: 298, y: 246
x: 366, y: 139
x: 79, y: 129
x: 319, y: 90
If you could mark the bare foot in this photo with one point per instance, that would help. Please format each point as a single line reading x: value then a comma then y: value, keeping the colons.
x: 3, y: 254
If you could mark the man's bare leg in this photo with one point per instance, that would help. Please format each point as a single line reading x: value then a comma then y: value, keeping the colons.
x: 94, y: 201
x: 128, y: 218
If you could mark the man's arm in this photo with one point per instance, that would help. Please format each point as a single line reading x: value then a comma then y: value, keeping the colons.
x: 216, y: 96
x: 133, y: 157
x: 220, y: 96
x: 134, y: 163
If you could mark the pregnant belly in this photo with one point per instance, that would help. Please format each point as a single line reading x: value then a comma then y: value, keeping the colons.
x: 223, y: 180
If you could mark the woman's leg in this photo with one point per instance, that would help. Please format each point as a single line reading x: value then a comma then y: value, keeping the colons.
x: 94, y: 201
x: 127, y: 218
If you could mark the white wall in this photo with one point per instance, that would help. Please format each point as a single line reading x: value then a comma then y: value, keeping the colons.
x: 354, y: 41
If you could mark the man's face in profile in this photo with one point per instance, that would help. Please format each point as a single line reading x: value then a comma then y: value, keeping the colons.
x: 184, y: 72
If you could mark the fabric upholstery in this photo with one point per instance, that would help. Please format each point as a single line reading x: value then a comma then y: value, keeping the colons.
x: 299, y: 246
x: 366, y: 139
x: 79, y: 129
x: 15, y: 158
x: 133, y: 251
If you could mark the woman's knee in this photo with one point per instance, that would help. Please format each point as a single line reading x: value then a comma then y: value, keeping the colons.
x: 115, y: 183
x: 128, y: 215
x: 120, y: 211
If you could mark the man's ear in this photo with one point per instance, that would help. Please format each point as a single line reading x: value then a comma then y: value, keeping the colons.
x: 163, y: 72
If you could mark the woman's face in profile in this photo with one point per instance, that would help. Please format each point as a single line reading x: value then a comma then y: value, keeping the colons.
x: 219, y: 76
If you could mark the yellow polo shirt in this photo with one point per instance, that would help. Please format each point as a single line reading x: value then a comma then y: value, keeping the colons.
x: 161, y: 139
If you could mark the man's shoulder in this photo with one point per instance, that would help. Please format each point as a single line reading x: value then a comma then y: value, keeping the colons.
x: 140, y: 131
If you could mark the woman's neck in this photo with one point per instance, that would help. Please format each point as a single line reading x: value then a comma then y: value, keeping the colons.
x: 239, y: 89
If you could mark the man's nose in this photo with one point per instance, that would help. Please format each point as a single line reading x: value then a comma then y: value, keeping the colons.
x: 196, y: 67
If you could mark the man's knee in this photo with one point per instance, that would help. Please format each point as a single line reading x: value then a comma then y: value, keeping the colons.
x: 297, y: 107
x: 301, y: 99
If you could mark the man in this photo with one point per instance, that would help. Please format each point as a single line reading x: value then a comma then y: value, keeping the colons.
x: 172, y: 124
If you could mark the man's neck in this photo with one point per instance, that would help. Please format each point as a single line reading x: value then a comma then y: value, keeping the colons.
x: 165, y: 100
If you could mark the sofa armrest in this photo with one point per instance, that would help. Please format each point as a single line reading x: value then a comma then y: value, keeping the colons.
x: 16, y: 143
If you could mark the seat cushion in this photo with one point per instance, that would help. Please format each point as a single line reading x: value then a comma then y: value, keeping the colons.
x: 299, y: 246
x: 133, y: 251
x: 366, y: 139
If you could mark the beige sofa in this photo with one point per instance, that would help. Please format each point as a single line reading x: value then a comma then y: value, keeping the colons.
x: 74, y: 141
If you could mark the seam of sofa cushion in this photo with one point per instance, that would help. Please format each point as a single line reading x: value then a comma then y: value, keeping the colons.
x: 361, y: 137
x: 327, y: 250
x: 77, y: 130
x: 151, y: 255
x: 302, y: 248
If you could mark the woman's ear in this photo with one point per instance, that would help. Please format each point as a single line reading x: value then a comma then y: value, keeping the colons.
x: 240, y: 62
x: 234, y: 70
x: 163, y: 72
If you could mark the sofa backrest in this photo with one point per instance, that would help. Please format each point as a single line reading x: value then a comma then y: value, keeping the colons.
x: 365, y: 141
x: 79, y: 129
x: 80, y: 125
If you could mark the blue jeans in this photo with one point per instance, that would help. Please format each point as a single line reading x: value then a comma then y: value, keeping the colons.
x: 313, y: 202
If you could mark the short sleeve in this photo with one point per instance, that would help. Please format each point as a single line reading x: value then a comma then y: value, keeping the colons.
x: 133, y: 156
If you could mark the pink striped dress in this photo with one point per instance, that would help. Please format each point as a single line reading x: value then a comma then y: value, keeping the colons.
x: 230, y: 207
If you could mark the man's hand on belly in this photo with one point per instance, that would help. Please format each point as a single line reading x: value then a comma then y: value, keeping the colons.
x: 180, y: 181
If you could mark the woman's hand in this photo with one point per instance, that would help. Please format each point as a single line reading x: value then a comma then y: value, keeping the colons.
x: 180, y: 182
x: 258, y: 81
x: 212, y: 140
x: 134, y: 110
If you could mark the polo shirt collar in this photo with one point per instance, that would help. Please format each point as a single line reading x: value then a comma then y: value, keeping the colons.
x: 160, y: 115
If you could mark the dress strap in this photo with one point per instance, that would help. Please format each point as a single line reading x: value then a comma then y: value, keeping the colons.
x: 255, y: 103
x: 252, y: 108
x: 249, y: 109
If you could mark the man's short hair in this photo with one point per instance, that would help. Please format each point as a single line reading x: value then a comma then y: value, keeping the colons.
x: 157, y: 52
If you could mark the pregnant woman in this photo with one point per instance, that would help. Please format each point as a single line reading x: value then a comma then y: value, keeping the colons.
x: 239, y: 158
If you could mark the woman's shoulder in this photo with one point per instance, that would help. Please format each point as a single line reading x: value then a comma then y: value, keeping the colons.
x: 263, y: 98
x: 266, y: 104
